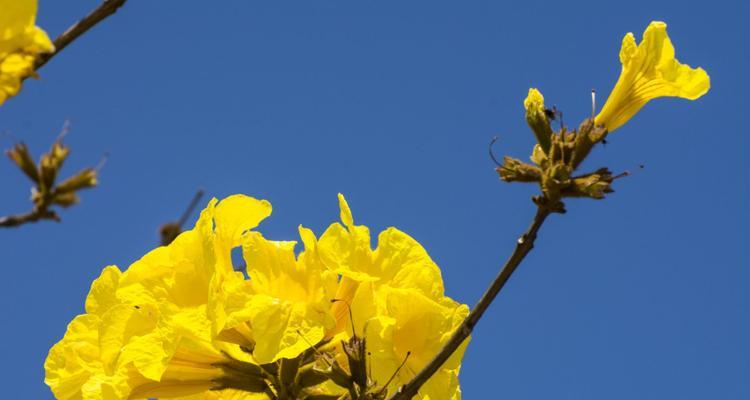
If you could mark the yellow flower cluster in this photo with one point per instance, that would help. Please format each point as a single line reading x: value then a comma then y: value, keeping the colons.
x: 182, y: 323
x: 20, y: 42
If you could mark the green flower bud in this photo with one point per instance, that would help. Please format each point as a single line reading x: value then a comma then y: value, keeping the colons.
x: 537, y: 119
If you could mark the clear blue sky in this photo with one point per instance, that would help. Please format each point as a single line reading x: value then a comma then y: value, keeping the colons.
x: 641, y: 296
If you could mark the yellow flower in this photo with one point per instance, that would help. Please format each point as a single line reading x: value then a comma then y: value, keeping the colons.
x: 182, y: 323
x: 399, y: 261
x: 20, y: 42
x: 146, y: 331
x: 411, y: 330
x: 123, y: 348
x: 397, y: 303
x: 74, y: 366
x: 649, y: 70
x: 282, y: 309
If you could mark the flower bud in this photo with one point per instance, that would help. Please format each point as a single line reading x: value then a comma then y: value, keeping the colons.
x: 19, y: 154
x: 537, y: 118
x: 82, y: 180
x: 51, y: 163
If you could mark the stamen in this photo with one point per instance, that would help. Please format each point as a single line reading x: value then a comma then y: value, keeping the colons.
x: 317, y: 353
x: 351, y: 316
x: 627, y: 173
x: 621, y: 175
x: 102, y: 163
x: 593, y: 103
x: 369, y: 366
x: 408, y: 353
x: 64, y: 131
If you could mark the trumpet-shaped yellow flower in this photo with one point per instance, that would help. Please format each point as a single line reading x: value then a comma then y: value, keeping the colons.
x: 146, y: 331
x: 283, y: 308
x: 399, y: 261
x: 411, y: 330
x: 20, y: 42
x: 75, y: 369
x: 123, y: 348
x: 649, y: 70
x: 396, y: 297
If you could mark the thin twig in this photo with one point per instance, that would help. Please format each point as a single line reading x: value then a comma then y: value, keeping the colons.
x: 193, y: 203
x: 34, y: 216
x: 107, y: 8
x: 169, y: 231
x: 523, y: 247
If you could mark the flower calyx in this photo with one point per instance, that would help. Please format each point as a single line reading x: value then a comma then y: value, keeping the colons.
x: 285, y: 379
x: 556, y: 158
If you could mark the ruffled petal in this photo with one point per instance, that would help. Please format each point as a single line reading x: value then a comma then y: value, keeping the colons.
x: 237, y: 214
x: 404, y: 263
x: 650, y: 70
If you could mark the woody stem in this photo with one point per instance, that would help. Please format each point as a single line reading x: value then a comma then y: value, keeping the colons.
x: 523, y: 246
x: 33, y: 216
x: 107, y: 8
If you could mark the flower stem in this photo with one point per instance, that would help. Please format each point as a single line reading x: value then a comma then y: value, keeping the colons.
x: 523, y: 246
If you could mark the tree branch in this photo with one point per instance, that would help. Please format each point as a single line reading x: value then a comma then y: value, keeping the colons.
x: 34, y: 216
x: 523, y: 246
x: 169, y: 231
x: 47, y: 190
x: 107, y: 8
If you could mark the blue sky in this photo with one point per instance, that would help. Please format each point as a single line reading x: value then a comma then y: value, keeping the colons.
x: 643, y: 295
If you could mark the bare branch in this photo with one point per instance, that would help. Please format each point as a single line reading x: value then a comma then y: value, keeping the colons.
x: 86, y: 178
x: 107, y: 8
x: 523, y: 247
x: 34, y: 216
x: 169, y: 231
x: 189, y: 210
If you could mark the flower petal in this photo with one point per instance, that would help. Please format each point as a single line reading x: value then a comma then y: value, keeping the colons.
x: 649, y: 70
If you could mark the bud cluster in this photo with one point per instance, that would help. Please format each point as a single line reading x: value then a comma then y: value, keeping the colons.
x: 556, y: 157
x: 47, y: 191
